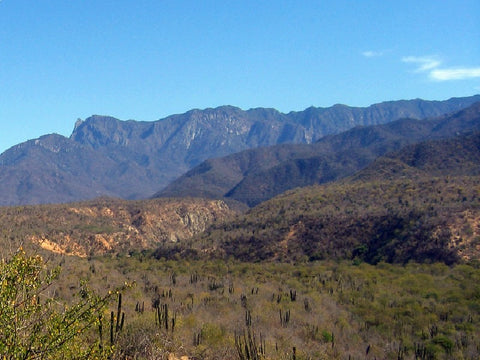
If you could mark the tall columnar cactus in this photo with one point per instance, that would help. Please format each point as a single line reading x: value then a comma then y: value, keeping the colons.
x: 284, y: 318
x: 163, y: 319
x: 247, y: 347
x: 116, y: 322
x: 248, y: 318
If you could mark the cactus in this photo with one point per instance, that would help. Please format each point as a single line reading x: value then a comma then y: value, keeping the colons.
x: 284, y: 318
x: 116, y: 323
x: 194, y: 277
x: 100, y: 331
x: 162, y: 318
x: 247, y: 347
x: 140, y: 308
x: 197, y: 338
x: 214, y: 285
x: 279, y: 298
x: 243, y: 300
x: 112, y: 319
x: 248, y: 318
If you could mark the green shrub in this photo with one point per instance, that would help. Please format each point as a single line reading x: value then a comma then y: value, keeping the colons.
x: 444, y: 342
x: 33, y: 325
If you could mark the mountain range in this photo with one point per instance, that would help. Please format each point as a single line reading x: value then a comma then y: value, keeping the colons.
x: 105, y: 156
x: 256, y: 175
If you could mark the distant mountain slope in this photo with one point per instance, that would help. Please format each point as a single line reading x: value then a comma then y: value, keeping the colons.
x: 131, y: 159
x: 424, y: 208
x: 458, y: 156
x: 54, y: 169
x: 215, y: 177
x: 257, y: 175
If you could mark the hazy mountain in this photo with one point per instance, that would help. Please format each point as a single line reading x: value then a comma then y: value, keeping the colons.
x: 55, y: 169
x: 458, y: 156
x: 257, y: 175
x: 132, y: 160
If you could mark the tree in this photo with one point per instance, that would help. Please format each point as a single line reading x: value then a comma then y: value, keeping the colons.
x: 35, y: 326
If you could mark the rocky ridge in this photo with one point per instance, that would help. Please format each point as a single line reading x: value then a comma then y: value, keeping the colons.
x: 109, y: 226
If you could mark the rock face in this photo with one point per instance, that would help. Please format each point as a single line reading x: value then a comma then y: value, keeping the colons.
x: 107, y: 226
x: 132, y: 160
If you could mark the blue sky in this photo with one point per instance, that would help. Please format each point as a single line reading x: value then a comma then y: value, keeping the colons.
x: 146, y: 59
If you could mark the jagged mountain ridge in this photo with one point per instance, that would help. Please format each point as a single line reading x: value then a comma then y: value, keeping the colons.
x: 257, y: 175
x: 132, y: 160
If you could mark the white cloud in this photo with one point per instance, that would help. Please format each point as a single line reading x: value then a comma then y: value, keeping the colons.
x: 431, y: 65
x: 424, y: 63
x: 455, y: 74
x: 370, y: 53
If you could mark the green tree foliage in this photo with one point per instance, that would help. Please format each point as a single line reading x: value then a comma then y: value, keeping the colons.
x: 33, y: 325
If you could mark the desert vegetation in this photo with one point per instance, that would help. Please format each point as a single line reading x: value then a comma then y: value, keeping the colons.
x: 234, y: 310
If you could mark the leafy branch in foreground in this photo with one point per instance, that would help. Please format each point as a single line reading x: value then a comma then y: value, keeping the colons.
x: 34, y: 325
